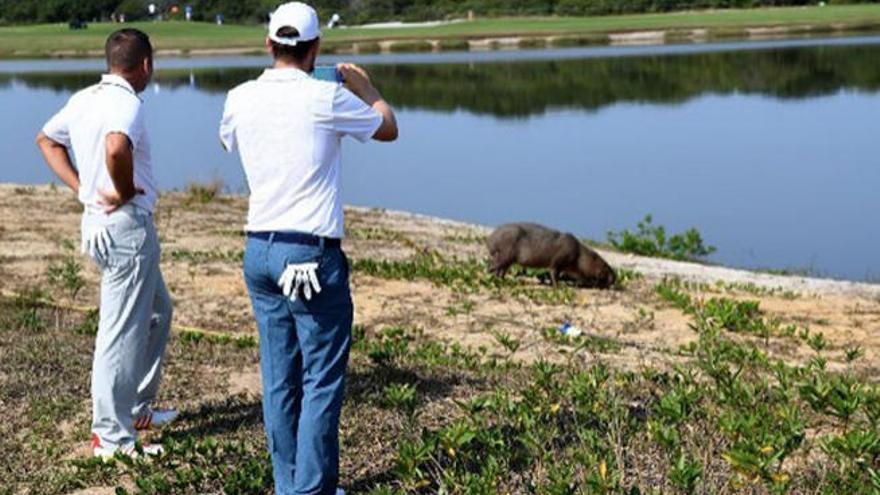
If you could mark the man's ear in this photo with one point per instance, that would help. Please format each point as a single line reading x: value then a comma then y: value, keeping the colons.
x: 269, y: 45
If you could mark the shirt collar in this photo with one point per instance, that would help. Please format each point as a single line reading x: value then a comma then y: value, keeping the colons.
x: 282, y: 75
x: 115, y: 80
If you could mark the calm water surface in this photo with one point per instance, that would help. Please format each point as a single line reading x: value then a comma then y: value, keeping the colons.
x: 770, y: 149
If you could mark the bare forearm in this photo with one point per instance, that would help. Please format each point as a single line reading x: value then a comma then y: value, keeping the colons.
x: 120, y: 166
x: 121, y: 171
x: 388, y: 131
x: 358, y: 82
x: 58, y: 159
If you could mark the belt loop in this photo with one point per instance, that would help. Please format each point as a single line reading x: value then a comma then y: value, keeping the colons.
x: 271, y: 237
x: 321, y: 242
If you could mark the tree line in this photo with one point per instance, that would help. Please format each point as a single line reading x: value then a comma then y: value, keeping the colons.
x: 360, y: 11
x: 589, y: 84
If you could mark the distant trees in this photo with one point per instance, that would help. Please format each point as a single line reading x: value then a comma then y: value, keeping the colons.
x: 497, y: 89
x: 359, y: 11
x: 27, y: 11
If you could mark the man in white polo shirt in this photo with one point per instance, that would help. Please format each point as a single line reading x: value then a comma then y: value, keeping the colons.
x: 288, y: 127
x: 102, y: 129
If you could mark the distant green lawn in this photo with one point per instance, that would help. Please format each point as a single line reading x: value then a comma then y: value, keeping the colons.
x: 45, y: 40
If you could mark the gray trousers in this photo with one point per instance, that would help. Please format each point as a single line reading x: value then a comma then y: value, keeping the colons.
x: 135, y: 321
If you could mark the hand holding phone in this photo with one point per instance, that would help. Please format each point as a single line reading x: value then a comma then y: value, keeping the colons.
x: 328, y: 73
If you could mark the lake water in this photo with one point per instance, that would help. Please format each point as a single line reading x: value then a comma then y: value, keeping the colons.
x: 769, y: 148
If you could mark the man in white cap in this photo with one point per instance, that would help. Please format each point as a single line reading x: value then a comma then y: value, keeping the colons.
x: 287, y: 127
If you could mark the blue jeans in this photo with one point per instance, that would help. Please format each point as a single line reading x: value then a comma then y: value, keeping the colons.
x: 304, y: 349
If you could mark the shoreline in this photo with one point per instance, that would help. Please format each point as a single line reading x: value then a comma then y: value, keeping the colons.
x: 658, y: 268
x: 651, y: 268
x: 504, y: 43
x: 364, y: 43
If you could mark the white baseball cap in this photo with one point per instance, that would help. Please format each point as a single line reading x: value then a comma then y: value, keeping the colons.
x: 296, y: 15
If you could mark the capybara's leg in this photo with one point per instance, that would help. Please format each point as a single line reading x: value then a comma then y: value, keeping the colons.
x: 501, y: 261
x: 499, y: 267
x: 580, y: 279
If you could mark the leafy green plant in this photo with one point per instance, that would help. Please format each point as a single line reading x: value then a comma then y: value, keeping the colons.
x: 669, y: 289
x: 854, y: 353
x: 29, y: 319
x: 625, y: 276
x: 401, y: 396
x: 736, y: 316
x: 652, y: 240
x: 202, y: 193
x: 390, y: 344
x: 411, y: 455
x: 68, y: 274
x: 89, y: 325
x: 463, y: 306
x: 840, y: 396
x: 685, y: 473
x: 507, y: 341
x: 817, y: 342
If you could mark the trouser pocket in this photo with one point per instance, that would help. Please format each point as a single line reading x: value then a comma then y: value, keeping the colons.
x: 332, y: 275
x: 127, y: 235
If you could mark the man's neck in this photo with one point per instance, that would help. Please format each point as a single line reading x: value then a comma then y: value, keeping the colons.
x: 130, y: 80
x: 281, y: 64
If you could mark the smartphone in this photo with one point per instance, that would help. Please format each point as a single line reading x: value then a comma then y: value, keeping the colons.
x: 328, y: 73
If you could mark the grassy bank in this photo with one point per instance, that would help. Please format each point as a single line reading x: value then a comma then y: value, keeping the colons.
x: 422, y: 416
x: 55, y: 40
x: 460, y: 382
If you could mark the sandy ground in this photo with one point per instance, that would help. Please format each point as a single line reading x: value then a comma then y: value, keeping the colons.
x: 201, y: 244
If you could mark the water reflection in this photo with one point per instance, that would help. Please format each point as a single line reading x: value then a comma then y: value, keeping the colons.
x: 525, y: 88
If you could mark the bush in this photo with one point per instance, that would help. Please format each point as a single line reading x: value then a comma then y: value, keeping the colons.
x: 651, y: 240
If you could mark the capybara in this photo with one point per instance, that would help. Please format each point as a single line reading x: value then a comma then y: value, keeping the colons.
x: 535, y: 246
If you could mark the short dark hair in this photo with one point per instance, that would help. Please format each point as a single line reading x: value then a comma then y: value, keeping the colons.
x: 127, y: 48
x: 295, y: 53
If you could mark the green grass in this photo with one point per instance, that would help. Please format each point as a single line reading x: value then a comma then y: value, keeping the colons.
x: 422, y: 416
x: 854, y: 14
x: 465, y: 276
x: 43, y: 40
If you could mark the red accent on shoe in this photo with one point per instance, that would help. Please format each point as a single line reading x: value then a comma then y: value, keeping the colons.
x: 96, y: 441
x: 144, y: 422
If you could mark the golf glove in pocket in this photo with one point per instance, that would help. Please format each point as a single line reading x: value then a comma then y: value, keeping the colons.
x: 96, y: 242
x: 300, y: 276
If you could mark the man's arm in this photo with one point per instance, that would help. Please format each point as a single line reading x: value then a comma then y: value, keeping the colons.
x: 120, y: 167
x: 358, y: 82
x: 58, y: 159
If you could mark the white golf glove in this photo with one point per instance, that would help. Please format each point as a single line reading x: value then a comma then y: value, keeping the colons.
x: 96, y: 242
x: 300, y: 276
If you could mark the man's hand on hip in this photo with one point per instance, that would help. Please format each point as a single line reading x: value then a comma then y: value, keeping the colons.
x: 112, y: 201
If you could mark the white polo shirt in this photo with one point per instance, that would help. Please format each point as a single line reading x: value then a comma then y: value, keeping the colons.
x: 82, y: 126
x: 288, y: 129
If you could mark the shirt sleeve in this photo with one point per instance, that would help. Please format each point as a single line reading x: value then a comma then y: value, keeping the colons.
x: 353, y: 117
x: 126, y: 119
x: 227, y: 128
x: 58, y: 127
